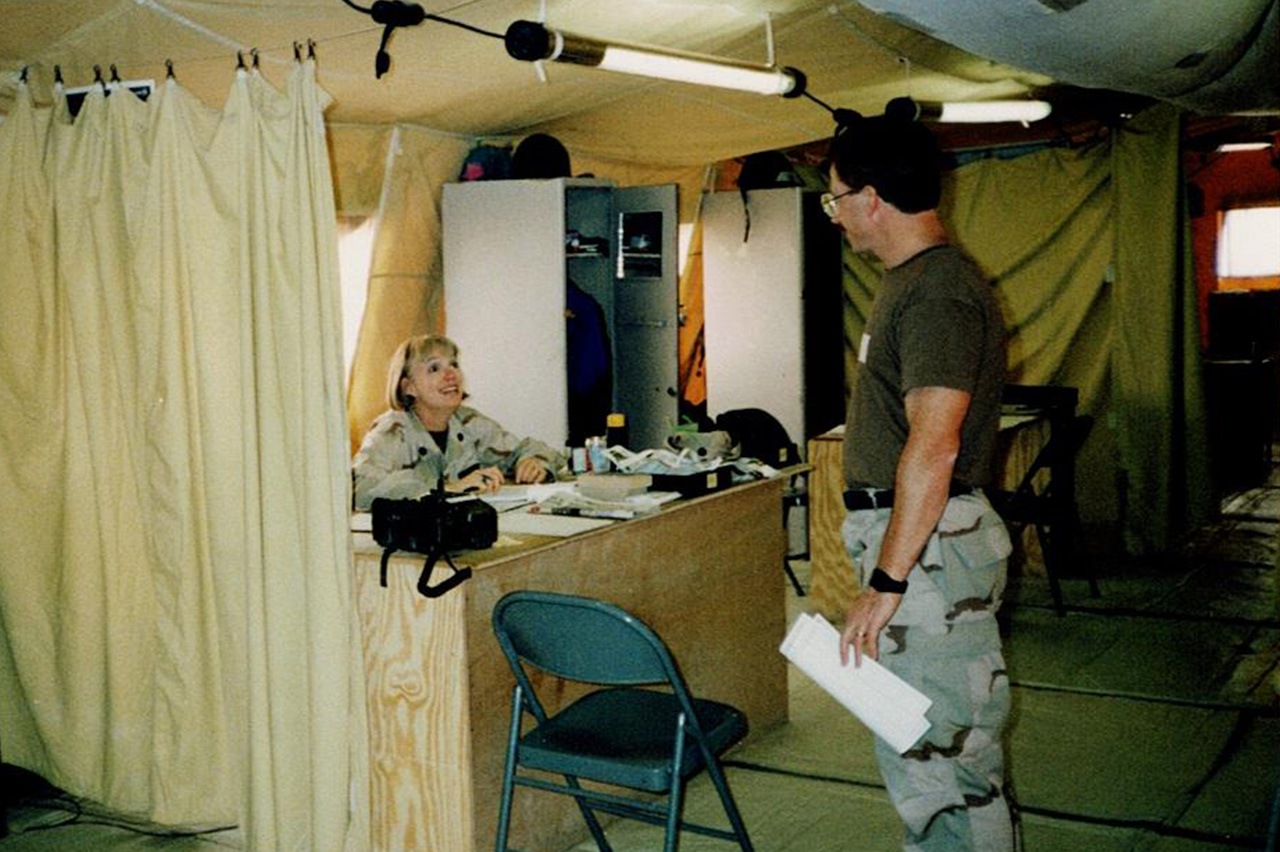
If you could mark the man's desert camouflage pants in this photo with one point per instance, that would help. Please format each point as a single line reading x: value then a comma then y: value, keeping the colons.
x: 949, y: 787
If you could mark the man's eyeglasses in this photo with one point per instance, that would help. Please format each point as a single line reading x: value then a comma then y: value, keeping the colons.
x: 830, y: 204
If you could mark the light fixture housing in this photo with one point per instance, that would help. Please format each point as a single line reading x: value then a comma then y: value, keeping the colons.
x: 531, y: 42
x: 969, y: 112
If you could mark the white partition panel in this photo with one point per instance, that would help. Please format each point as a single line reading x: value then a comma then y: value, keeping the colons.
x: 753, y: 292
x: 505, y: 298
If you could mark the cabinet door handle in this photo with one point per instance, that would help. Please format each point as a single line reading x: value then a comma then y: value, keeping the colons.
x: 647, y: 323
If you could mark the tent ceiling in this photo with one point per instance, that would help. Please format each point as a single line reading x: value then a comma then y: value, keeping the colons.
x: 1222, y: 56
x: 460, y: 82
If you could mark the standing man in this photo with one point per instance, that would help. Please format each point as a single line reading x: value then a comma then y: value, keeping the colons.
x: 919, y: 444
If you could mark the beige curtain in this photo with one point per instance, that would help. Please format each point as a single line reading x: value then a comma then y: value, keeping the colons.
x: 178, y: 640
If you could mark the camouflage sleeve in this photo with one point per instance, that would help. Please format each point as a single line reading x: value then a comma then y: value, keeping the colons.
x: 384, y: 467
x: 502, y: 449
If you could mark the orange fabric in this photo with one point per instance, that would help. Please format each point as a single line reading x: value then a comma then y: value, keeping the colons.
x: 693, y: 375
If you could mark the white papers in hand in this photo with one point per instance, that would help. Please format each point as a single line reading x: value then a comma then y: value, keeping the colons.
x: 892, y: 708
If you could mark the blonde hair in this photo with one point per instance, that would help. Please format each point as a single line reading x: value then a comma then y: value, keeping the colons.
x: 413, y: 350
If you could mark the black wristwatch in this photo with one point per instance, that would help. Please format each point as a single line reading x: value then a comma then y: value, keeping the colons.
x: 882, y: 582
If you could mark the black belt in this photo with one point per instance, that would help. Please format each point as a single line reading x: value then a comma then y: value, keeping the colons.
x: 859, y: 499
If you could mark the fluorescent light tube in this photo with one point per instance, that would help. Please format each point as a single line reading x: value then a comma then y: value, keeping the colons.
x: 1228, y: 147
x: 532, y: 41
x: 980, y: 112
x: 629, y: 60
x: 970, y: 112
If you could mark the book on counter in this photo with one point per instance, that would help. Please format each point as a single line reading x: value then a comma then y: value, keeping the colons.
x: 892, y: 708
x: 613, y: 486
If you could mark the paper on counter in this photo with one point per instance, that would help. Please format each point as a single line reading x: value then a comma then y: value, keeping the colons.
x: 524, y: 493
x: 892, y: 708
x: 545, y: 523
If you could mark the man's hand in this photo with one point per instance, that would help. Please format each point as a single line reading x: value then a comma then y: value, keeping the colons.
x: 868, y: 615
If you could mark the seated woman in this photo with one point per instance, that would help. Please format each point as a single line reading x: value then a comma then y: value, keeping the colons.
x: 428, y: 431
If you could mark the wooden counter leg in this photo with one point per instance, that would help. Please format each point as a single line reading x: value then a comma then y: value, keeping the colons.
x: 833, y: 583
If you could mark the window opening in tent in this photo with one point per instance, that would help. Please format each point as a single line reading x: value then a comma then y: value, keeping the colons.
x: 355, y: 253
x: 1248, y: 254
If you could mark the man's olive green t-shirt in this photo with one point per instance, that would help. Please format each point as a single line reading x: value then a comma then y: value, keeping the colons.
x: 934, y: 323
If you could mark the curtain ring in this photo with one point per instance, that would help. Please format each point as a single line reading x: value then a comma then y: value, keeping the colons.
x: 297, y: 51
x: 22, y: 78
x: 97, y: 76
x: 254, y: 53
x: 115, y: 75
x: 57, y: 74
x: 168, y: 69
x: 311, y: 49
x: 240, y: 61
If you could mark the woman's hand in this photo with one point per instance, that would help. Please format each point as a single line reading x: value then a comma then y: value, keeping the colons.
x: 530, y: 470
x: 484, y: 480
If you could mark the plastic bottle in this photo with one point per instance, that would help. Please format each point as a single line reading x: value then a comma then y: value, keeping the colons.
x: 597, y: 461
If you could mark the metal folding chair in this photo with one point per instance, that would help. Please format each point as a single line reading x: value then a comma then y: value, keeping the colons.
x: 1039, y: 507
x: 795, y: 497
x: 622, y: 735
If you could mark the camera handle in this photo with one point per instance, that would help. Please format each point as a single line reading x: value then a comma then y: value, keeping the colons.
x: 454, y: 579
x: 425, y: 589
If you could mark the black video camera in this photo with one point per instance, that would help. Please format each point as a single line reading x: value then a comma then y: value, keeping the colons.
x: 434, y: 526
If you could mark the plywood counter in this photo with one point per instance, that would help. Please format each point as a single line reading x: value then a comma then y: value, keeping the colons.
x: 704, y: 573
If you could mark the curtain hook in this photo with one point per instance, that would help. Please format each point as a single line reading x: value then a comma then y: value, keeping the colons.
x: 115, y: 75
x: 254, y: 53
x: 168, y: 69
x: 297, y: 51
x: 97, y: 76
x: 311, y: 49
x: 57, y: 74
x: 240, y: 61
x: 22, y: 78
